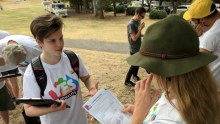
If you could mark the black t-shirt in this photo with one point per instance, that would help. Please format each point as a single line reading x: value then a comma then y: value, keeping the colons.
x: 132, y: 27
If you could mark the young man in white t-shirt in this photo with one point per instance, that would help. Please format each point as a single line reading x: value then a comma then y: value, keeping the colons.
x: 62, y: 83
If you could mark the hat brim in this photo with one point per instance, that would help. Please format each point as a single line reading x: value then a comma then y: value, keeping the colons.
x: 170, y: 67
x: 187, y: 15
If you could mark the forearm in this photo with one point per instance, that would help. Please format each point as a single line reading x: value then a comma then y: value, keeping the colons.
x: 10, y: 89
x: 136, y: 36
x: 89, y: 83
x: 14, y: 84
x: 137, y: 118
x: 37, y: 111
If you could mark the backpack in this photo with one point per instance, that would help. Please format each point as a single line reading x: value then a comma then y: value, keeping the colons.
x: 40, y: 74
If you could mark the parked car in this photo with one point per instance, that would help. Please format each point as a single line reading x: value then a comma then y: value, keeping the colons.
x: 165, y: 8
x: 125, y: 4
x: 135, y: 4
x: 46, y: 4
x: 57, y: 8
x: 154, y: 4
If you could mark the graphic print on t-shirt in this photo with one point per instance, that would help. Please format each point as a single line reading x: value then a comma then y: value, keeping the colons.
x: 152, y: 114
x: 66, y: 87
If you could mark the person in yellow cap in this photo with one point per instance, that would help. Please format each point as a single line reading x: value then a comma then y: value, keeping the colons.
x: 206, y: 20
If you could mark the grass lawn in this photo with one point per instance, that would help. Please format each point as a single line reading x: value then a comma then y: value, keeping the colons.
x: 17, y: 16
x: 108, y: 68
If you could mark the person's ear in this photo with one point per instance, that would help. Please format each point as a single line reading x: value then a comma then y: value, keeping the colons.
x: 39, y: 42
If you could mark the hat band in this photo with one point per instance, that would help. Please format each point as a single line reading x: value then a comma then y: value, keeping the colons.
x: 166, y: 56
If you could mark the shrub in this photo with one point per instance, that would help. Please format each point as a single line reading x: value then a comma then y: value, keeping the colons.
x: 130, y: 10
x: 120, y: 9
x: 109, y: 8
x: 157, y: 14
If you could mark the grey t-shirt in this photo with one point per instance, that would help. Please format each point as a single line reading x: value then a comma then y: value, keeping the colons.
x: 132, y: 27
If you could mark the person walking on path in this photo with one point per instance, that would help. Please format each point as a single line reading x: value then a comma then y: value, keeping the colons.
x: 134, y: 29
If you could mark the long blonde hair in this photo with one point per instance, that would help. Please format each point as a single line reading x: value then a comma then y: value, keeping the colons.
x: 196, y: 96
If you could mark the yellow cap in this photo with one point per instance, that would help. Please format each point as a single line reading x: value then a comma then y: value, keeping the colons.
x: 198, y: 9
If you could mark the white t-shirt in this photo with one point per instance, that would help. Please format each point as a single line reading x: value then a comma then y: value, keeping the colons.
x: 62, y: 83
x: 3, y: 34
x: 30, y: 45
x: 162, y: 112
x: 210, y: 41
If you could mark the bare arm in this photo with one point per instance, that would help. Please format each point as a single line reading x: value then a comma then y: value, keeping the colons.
x: 134, y: 36
x: 90, y: 84
x: 12, y: 83
x: 204, y: 50
x: 2, y: 62
x: 10, y: 88
x: 38, y: 111
x: 15, y: 88
x: 143, y: 100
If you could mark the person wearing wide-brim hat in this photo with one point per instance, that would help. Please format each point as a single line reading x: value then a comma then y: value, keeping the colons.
x: 206, y: 21
x: 170, y: 52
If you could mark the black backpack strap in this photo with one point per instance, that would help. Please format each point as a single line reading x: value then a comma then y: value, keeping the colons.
x: 74, y: 61
x: 39, y: 74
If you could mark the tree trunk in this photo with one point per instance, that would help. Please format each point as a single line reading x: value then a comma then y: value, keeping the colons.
x: 77, y: 9
x: 85, y: 5
x: 149, y: 5
x: 160, y: 2
x: 101, y: 10
x: 94, y: 7
x: 174, y: 7
x: 114, y: 6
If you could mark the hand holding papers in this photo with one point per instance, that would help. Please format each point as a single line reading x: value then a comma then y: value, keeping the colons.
x: 106, y: 108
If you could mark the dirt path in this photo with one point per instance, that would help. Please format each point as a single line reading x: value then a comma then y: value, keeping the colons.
x: 95, y: 45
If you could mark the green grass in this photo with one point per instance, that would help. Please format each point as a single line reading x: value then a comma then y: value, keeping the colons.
x: 17, y: 16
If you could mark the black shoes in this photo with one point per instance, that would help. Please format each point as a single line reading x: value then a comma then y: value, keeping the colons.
x: 129, y: 83
x: 136, y: 78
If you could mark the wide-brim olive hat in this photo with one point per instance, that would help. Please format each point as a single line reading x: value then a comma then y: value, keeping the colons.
x: 170, y: 47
